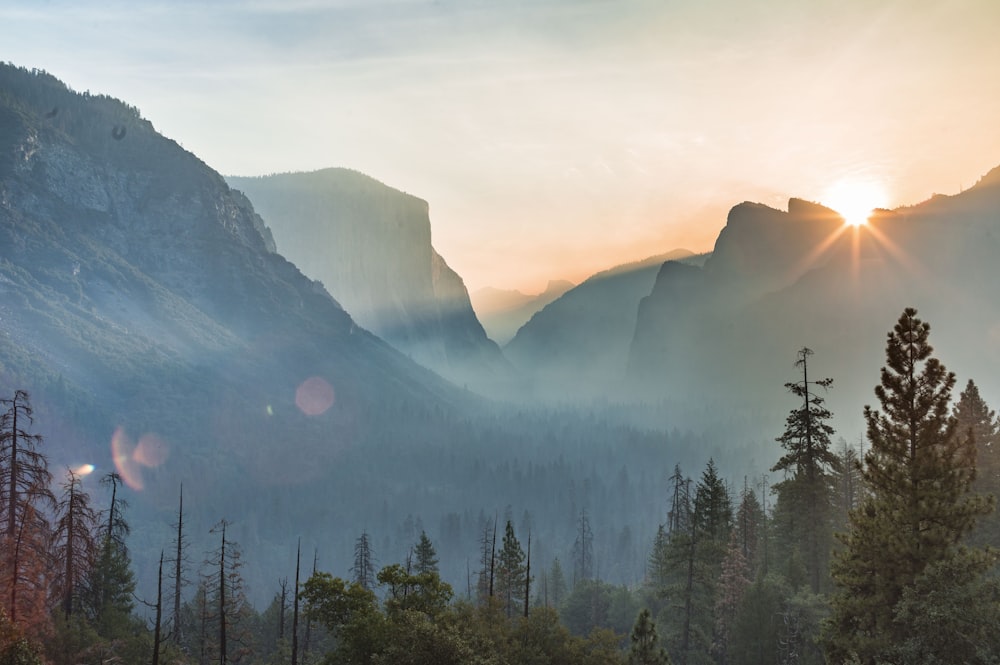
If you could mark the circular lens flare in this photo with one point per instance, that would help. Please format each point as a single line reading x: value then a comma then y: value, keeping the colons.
x: 314, y: 396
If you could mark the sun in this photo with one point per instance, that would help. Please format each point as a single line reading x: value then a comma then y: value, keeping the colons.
x: 855, y: 199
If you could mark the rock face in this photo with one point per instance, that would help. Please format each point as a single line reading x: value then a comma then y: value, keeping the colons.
x: 137, y: 290
x: 779, y: 281
x: 577, y: 346
x: 370, y: 245
x: 503, y: 312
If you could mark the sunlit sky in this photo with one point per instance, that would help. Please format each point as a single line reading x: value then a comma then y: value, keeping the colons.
x: 553, y: 138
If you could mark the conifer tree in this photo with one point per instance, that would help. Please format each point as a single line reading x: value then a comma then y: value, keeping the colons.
x: 511, y: 572
x: 109, y: 597
x: 556, y: 584
x: 364, y: 562
x: 806, y: 496
x: 909, y: 528
x: 646, y: 649
x: 694, y: 562
x: 427, y: 561
x: 733, y: 582
x: 976, y: 418
x: 583, y: 551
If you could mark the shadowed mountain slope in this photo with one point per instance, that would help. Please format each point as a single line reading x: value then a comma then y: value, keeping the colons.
x: 577, y: 346
x: 778, y: 281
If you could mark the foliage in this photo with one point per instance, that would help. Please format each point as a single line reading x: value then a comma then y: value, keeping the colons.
x: 806, y: 497
x: 908, y: 529
x: 645, y: 649
x: 427, y: 561
x: 511, y: 573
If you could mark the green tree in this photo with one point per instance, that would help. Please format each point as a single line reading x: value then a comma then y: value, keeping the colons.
x: 910, y: 526
x: 364, y: 562
x: 511, y: 572
x: 427, y: 561
x: 350, y: 612
x: 646, y: 649
x: 806, y: 498
x: 975, y: 418
x: 694, y: 565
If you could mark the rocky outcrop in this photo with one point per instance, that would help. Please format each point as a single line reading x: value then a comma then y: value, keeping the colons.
x: 370, y: 245
x: 781, y: 280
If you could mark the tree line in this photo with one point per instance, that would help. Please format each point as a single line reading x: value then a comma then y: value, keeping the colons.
x: 867, y: 556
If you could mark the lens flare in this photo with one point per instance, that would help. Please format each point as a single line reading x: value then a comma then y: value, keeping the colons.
x: 83, y: 470
x: 130, y: 458
x: 314, y: 396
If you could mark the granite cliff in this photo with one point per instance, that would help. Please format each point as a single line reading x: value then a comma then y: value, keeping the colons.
x: 370, y: 246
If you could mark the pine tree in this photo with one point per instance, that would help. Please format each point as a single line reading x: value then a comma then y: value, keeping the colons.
x: 646, y: 649
x: 112, y: 584
x: 511, y: 572
x: 556, y: 584
x: 733, y: 582
x: 694, y: 565
x: 583, y: 551
x: 364, y: 562
x: 427, y: 561
x: 909, y: 528
x: 806, y: 496
x: 977, y: 419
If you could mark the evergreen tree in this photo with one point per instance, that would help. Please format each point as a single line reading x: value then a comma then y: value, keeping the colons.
x: 112, y: 584
x: 733, y: 582
x: 556, y: 584
x: 364, y: 562
x: 849, y: 484
x: 806, y: 496
x: 511, y: 572
x: 646, y: 649
x: 978, y: 420
x: 748, y: 527
x: 909, y: 528
x: 694, y: 565
x: 583, y: 551
x: 427, y: 561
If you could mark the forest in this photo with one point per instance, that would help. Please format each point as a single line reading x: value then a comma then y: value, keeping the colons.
x: 873, y: 555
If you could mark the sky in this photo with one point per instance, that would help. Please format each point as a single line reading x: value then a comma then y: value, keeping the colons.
x: 554, y: 138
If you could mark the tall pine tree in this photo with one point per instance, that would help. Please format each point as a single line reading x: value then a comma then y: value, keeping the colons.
x: 806, y: 498
x: 908, y: 530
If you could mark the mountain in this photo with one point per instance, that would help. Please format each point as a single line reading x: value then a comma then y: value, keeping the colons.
x: 503, y: 311
x: 143, y: 306
x: 370, y: 246
x: 577, y: 346
x: 778, y: 281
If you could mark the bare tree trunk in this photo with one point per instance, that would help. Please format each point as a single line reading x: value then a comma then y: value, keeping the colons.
x: 159, y: 613
x: 295, y: 606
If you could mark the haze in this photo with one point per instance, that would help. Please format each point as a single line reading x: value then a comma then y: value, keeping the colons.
x: 553, y: 139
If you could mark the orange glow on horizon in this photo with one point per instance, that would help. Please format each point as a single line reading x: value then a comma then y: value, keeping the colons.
x: 855, y: 200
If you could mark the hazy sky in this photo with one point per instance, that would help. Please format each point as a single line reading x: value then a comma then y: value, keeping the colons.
x: 553, y: 138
